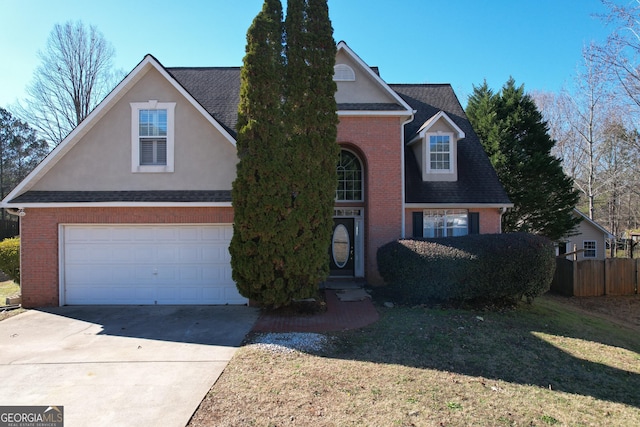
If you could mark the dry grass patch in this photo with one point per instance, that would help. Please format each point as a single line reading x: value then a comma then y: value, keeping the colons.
x: 8, y: 289
x: 537, y: 365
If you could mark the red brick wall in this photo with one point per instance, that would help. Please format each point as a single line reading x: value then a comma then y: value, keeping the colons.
x: 378, y: 143
x: 489, y: 220
x: 39, y: 274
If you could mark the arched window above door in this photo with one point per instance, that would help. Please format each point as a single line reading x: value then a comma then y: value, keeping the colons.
x: 349, y: 178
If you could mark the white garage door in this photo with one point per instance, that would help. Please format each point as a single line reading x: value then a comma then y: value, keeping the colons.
x: 147, y: 264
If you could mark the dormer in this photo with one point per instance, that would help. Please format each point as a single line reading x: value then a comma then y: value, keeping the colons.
x: 435, y: 147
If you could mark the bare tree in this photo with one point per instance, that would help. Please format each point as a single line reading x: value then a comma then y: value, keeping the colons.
x: 622, y: 50
x: 75, y: 74
x: 576, y: 120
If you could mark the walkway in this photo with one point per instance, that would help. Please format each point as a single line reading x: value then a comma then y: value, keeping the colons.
x: 340, y: 315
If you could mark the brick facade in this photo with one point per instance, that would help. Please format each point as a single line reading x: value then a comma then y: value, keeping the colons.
x: 39, y: 239
x: 490, y: 219
x: 378, y: 143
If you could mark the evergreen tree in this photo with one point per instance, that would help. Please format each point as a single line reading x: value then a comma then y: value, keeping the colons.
x: 260, y: 193
x: 517, y: 141
x: 310, y: 110
x: 286, y: 179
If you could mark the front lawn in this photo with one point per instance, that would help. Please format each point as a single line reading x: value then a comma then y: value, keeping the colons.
x: 545, y: 364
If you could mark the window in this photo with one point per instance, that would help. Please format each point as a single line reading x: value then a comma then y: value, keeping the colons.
x: 349, y: 178
x: 152, y: 136
x: 440, y: 153
x: 343, y: 73
x: 589, y: 247
x: 445, y: 223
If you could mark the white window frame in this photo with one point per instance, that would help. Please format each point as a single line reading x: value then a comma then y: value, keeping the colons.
x: 595, y: 249
x: 343, y: 73
x: 452, y: 151
x: 136, y: 167
x: 440, y: 215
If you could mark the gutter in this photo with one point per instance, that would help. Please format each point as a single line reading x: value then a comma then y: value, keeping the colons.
x: 402, y: 172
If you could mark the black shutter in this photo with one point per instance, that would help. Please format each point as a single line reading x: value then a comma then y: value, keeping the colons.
x: 418, y: 231
x: 474, y: 222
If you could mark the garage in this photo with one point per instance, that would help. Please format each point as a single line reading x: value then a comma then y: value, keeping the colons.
x: 146, y: 264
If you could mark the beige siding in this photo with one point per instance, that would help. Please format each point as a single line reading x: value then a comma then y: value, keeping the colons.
x: 364, y: 89
x: 101, y: 160
x: 587, y: 232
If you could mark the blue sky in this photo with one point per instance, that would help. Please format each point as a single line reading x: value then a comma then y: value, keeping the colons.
x: 461, y: 42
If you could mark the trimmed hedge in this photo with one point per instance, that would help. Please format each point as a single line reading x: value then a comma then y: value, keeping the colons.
x: 473, y: 268
x: 10, y: 258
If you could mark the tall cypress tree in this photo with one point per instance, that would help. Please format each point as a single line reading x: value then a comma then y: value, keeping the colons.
x: 286, y: 178
x: 260, y: 192
x: 311, y: 122
x: 517, y: 141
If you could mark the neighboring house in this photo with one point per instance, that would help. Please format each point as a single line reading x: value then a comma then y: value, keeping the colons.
x: 590, y: 240
x: 134, y: 206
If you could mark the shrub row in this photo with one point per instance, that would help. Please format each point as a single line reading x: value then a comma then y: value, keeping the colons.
x: 484, y: 267
x: 10, y: 258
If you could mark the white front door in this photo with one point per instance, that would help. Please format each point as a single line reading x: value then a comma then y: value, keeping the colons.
x: 146, y: 264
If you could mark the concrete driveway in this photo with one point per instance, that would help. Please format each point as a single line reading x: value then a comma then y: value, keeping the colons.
x: 119, y: 366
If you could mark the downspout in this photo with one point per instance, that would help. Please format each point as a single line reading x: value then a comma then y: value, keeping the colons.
x: 402, y: 172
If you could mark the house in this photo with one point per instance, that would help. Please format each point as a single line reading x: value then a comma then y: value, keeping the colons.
x: 590, y: 240
x: 134, y: 206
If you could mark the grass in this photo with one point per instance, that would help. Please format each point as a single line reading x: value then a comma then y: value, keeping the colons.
x: 544, y: 364
x: 8, y: 289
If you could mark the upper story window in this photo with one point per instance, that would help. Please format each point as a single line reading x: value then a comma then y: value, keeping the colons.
x: 349, y: 178
x: 152, y: 136
x: 435, y: 148
x: 589, y: 247
x: 343, y: 73
x: 440, y: 153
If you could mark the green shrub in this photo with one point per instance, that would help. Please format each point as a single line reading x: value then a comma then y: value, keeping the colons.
x: 485, y: 267
x: 10, y: 258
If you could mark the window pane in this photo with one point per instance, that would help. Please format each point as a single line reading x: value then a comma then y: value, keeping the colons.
x: 153, y: 151
x: 153, y: 122
x: 445, y: 223
x: 349, y: 178
x: 589, y: 247
x: 439, y: 149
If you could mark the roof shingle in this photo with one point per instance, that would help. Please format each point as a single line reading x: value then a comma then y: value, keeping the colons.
x: 477, y: 181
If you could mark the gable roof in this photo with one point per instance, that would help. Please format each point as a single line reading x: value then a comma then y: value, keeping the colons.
x: 433, y: 120
x: 399, y: 107
x: 148, y: 63
x: 216, y: 89
x: 477, y: 183
x: 587, y: 220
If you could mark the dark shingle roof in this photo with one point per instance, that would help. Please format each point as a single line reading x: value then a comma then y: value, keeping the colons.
x: 477, y: 180
x: 217, y: 89
x: 180, y: 196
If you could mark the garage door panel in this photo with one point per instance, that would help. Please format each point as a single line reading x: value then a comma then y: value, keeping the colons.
x: 152, y: 264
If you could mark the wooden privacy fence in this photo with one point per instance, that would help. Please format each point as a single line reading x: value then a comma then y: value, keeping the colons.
x: 590, y: 278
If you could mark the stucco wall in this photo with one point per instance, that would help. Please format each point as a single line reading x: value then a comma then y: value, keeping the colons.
x: 364, y: 89
x: 378, y: 143
x: 101, y: 160
x: 39, y: 273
